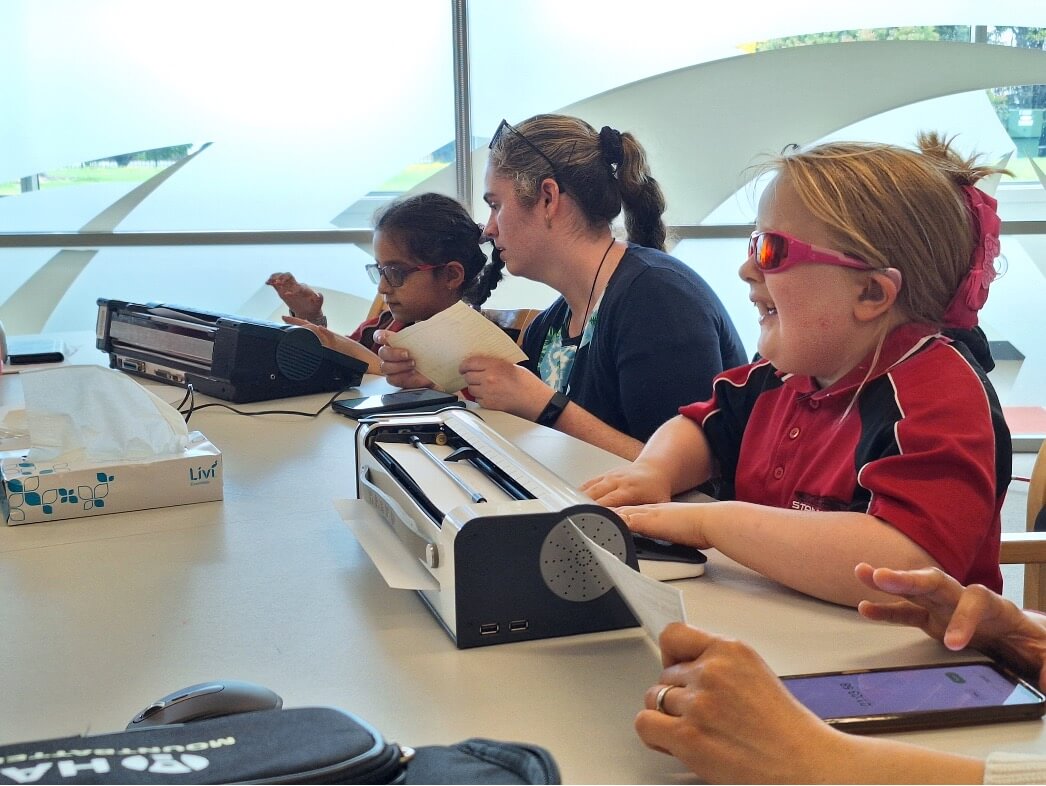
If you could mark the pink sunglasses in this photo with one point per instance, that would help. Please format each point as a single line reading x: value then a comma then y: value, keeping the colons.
x: 776, y: 251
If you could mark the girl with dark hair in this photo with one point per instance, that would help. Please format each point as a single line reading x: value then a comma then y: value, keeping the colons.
x: 635, y: 333
x: 427, y: 257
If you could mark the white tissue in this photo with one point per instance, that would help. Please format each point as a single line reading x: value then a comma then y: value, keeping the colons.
x: 90, y: 413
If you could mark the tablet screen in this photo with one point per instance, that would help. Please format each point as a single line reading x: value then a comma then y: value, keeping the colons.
x: 942, y: 687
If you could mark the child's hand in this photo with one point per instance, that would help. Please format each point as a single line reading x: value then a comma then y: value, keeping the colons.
x: 678, y: 522
x: 339, y: 343
x: 303, y: 301
x: 397, y: 365
x: 636, y: 484
x: 327, y: 337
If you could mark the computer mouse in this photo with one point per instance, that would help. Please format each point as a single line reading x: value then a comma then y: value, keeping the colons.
x: 665, y: 561
x: 206, y: 700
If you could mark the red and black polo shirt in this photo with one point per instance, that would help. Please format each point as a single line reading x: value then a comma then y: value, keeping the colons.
x: 919, y: 443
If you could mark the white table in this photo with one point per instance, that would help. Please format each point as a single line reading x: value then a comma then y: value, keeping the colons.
x: 100, y: 616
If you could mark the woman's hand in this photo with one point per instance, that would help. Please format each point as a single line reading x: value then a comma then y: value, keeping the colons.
x: 397, y: 365
x: 498, y: 384
x: 959, y: 616
x: 727, y: 717
x: 731, y: 720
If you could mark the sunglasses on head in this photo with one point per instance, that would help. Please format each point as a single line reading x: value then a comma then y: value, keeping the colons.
x: 394, y: 274
x: 506, y: 125
x: 776, y: 251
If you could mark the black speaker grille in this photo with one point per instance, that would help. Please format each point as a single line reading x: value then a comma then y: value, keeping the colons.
x: 298, y: 354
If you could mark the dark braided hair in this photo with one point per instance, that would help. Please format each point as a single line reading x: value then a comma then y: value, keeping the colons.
x: 436, y: 230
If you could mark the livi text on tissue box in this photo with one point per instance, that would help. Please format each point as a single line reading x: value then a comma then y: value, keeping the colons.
x: 41, y: 491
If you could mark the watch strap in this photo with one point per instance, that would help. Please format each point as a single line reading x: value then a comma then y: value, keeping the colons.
x: 553, y: 409
x: 320, y: 319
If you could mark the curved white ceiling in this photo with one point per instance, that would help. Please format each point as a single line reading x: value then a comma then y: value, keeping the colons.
x: 704, y: 125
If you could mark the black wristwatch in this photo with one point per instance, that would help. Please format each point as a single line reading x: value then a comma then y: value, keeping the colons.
x: 553, y: 409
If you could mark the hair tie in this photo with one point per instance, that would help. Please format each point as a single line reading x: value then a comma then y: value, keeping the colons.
x: 973, y: 289
x: 612, y: 147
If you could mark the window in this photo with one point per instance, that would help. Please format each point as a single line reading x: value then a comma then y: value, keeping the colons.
x: 307, y: 116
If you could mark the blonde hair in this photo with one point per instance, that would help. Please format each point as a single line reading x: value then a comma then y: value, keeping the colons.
x: 577, y: 153
x: 894, y: 207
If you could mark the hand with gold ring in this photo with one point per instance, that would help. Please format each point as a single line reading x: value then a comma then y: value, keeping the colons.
x: 732, y: 719
x: 659, y: 699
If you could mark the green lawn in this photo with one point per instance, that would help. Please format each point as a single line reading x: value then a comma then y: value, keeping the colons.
x: 77, y: 175
x: 73, y: 176
x: 410, y: 177
x: 403, y: 181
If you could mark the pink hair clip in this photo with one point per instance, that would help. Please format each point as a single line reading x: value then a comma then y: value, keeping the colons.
x: 972, y: 293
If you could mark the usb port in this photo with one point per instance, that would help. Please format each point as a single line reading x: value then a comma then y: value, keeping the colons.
x: 489, y: 628
x: 517, y: 626
x: 132, y: 365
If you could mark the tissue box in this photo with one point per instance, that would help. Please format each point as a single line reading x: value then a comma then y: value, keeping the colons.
x: 43, y: 492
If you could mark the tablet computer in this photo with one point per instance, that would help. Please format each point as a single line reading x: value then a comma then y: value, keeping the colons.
x: 25, y: 350
x: 904, y: 698
x: 400, y: 401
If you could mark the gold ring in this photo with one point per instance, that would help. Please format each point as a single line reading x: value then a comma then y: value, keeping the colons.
x: 659, y: 702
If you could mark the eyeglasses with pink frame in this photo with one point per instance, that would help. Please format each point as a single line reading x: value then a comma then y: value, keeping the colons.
x: 777, y: 251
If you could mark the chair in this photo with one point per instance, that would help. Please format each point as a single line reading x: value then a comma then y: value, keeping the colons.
x: 1029, y: 548
x: 513, y: 321
x: 376, y: 307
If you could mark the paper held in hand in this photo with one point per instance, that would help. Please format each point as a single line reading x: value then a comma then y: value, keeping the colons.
x: 440, y: 343
x: 654, y: 603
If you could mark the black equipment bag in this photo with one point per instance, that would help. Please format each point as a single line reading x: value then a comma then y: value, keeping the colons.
x: 300, y: 745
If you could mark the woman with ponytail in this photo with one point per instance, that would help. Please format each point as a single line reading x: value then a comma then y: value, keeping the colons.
x: 634, y: 333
